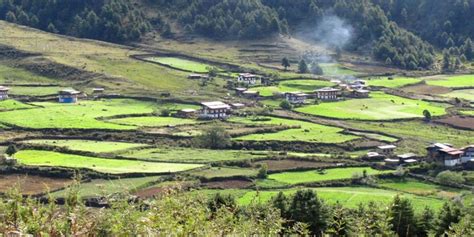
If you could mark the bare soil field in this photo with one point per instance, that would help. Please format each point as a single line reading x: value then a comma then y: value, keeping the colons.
x: 458, y: 121
x: 427, y: 89
x: 31, y: 185
x: 224, y: 184
x: 290, y: 164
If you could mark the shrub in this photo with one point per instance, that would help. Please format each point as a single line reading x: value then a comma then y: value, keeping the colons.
x: 450, y: 178
x: 286, y: 105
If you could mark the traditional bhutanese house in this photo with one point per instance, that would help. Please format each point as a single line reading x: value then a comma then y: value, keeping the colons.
x: 248, y: 78
x: 197, y: 76
x: 468, y: 155
x: 408, y: 158
x: 386, y: 150
x: 4, y: 92
x: 98, y: 91
x: 392, y: 162
x: 240, y: 90
x: 450, y: 156
x: 433, y: 149
x: 327, y: 93
x: 360, y: 93
x: 237, y: 106
x: 186, y: 113
x: 296, y: 97
x: 373, y: 156
x: 359, y: 82
x: 68, y: 96
x: 251, y: 94
x: 214, y: 110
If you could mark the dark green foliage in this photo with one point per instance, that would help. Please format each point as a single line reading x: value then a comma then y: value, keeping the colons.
x: 285, y: 63
x: 215, y: 137
x: 427, y: 115
x: 448, y: 215
x: 402, y: 217
x: 286, y: 105
x: 316, y: 69
x: 341, y: 223
x: 111, y: 20
x: 450, y: 178
x: 302, y: 66
x: 11, y: 150
x: 425, y: 222
x: 222, y: 201
x: 263, y: 172
x: 306, y: 207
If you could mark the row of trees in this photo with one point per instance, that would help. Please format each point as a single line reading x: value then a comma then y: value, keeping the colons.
x: 110, y: 20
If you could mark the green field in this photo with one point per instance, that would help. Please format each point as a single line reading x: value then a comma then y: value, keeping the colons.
x: 112, y: 166
x: 468, y: 112
x: 335, y: 69
x: 375, y: 136
x: 87, y: 145
x: 420, y: 188
x: 349, y: 196
x: 219, y: 172
x: 292, y: 86
x: 13, y: 75
x: 152, y: 121
x: 180, y: 63
x: 82, y: 115
x: 452, y: 81
x: 12, y: 105
x: 192, y: 155
x: 307, y: 132
x: 327, y: 174
x: 35, y: 90
x: 467, y: 94
x: 379, y: 106
x: 395, y: 83
x: 101, y: 187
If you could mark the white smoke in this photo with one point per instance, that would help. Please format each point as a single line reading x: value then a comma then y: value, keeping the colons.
x: 333, y: 32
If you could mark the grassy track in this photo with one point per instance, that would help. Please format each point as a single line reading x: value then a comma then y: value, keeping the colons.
x: 113, y: 166
x: 293, y: 85
x: 177, y: 154
x: 379, y: 106
x: 81, y: 115
x: 152, y: 121
x: 88, y: 145
x: 308, y: 132
x: 328, y: 174
x: 452, y: 81
x: 395, y: 83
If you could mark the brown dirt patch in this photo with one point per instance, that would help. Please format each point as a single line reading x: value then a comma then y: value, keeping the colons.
x: 426, y: 89
x: 163, y: 188
x: 236, y: 183
x: 289, y: 164
x: 458, y: 121
x: 31, y: 184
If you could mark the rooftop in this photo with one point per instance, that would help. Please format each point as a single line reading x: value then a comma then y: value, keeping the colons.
x: 297, y: 93
x: 247, y: 75
x: 69, y: 91
x: 387, y: 147
x: 215, y: 105
x: 407, y: 156
x: 188, y: 110
x: 327, y: 89
x: 3, y: 88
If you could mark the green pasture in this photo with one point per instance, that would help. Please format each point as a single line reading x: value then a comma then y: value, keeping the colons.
x: 220, y: 172
x: 468, y: 112
x: 292, y: 86
x: 379, y: 106
x: 350, y: 197
x: 112, y: 166
x: 419, y: 187
x: 394, y: 83
x: 375, y: 136
x: 81, y: 115
x: 335, y: 69
x: 304, y: 131
x: 180, y: 63
x: 452, y: 81
x: 298, y: 177
x: 87, y: 145
x: 10, y: 104
x: 35, y: 90
x: 467, y: 94
x: 102, y: 187
x: 14, y: 75
x: 192, y: 155
x: 152, y: 121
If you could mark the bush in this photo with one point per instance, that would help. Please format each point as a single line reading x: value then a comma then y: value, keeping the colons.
x: 450, y: 178
x: 286, y: 105
x: 263, y: 172
x: 215, y: 138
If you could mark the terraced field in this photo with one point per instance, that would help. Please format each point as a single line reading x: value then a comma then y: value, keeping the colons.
x: 220, y: 172
x: 452, y: 81
x: 182, y: 64
x: 393, y: 83
x: 14, y: 75
x: 87, y: 145
x: 13, y: 104
x: 379, y: 106
x: 152, y: 121
x: 467, y: 94
x: 292, y: 86
x: 35, y: 90
x: 112, y: 166
x: 305, y: 131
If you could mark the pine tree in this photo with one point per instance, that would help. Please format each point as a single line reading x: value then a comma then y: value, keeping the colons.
x: 340, y: 223
x: 302, y: 67
x: 11, y: 150
x: 468, y: 49
x: 448, y: 215
x: 281, y: 203
x: 285, y: 63
x: 316, y: 69
x: 10, y: 17
x: 446, y: 61
x: 402, y: 217
x: 425, y: 222
x: 51, y: 28
x: 308, y: 208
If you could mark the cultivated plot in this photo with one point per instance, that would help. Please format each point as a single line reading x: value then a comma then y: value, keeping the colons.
x: 87, y: 145
x: 292, y: 86
x: 393, y: 83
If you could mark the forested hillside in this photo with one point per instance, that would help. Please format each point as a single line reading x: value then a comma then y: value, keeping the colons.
x: 400, y: 33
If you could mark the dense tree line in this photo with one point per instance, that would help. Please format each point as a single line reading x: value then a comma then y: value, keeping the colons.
x: 110, y: 20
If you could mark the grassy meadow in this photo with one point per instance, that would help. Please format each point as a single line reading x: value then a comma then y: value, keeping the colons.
x: 379, y: 106
x: 10, y: 104
x: 111, y: 166
x: 182, y: 64
x: 87, y: 145
x: 467, y: 94
x: 394, y: 83
x: 452, y: 81
x: 305, y: 131
x: 152, y: 121
x: 292, y: 86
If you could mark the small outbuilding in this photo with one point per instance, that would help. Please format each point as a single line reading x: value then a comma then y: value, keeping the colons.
x: 248, y: 78
x: 4, y: 92
x: 296, y: 97
x: 386, y: 150
x: 68, y: 96
x: 251, y: 94
x: 360, y: 93
x: 98, y: 91
x: 186, y: 113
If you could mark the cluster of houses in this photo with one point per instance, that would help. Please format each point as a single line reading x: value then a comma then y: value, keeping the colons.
x: 447, y: 155
x: 210, y: 110
x: 387, y: 153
